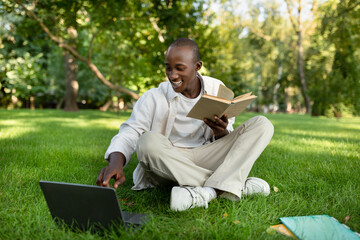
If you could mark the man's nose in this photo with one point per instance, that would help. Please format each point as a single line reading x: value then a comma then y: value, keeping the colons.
x: 173, y: 75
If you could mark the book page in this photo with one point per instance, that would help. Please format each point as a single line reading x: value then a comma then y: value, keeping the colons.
x: 220, y: 99
x: 283, y: 230
x: 237, y: 107
x: 246, y: 95
x: 207, y: 107
x: 225, y: 92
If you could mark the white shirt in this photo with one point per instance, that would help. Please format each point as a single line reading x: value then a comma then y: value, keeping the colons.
x: 187, y: 132
x: 156, y: 110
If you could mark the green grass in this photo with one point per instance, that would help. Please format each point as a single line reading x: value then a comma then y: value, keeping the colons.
x: 314, y: 162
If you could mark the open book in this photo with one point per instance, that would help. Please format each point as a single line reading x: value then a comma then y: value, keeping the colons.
x: 223, y: 103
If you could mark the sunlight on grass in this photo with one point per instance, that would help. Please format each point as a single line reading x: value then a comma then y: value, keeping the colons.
x: 15, y: 129
x: 314, y: 163
x: 80, y: 123
x: 314, y: 145
x: 341, y: 134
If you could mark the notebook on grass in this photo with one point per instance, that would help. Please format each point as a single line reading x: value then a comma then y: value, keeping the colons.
x: 318, y: 227
x: 85, y: 207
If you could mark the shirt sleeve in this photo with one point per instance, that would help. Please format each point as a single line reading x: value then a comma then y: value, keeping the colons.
x: 131, y: 130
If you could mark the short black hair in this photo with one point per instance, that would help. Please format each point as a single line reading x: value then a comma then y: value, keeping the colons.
x: 182, y: 42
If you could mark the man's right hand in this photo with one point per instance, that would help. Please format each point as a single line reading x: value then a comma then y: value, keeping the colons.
x: 113, y: 170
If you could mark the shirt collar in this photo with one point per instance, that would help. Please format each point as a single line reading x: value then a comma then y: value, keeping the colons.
x: 171, y: 94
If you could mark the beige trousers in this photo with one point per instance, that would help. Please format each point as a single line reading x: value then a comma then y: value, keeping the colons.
x: 223, y: 164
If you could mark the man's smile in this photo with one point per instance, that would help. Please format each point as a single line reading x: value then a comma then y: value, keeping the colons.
x: 176, y: 83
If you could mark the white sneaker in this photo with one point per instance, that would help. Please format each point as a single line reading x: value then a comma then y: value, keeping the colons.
x: 183, y: 198
x: 255, y: 185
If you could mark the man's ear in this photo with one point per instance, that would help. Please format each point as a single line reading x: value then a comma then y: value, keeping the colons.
x: 198, y: 65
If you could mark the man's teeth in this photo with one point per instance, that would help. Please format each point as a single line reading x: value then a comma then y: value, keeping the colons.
x: 176, y: 83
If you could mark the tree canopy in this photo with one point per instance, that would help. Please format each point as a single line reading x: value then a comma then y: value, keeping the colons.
x: 297, y: 56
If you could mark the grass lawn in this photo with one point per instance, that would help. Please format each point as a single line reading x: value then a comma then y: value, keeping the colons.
x: 313, y: 162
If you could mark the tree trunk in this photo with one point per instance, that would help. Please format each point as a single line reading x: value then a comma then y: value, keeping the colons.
x: 276, y: 106
x: 72, y: 86
x: 297, y: 25
x: 301, y: 70
x: 32, y: 102
x: 71, y: 70
x: 288, y: 106
x: 59, y: 104
x: 107, y: 105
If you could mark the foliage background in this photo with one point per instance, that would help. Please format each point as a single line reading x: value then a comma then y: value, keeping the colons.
x: 250, y: 45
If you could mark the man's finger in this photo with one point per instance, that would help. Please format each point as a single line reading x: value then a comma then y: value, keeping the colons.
x: 225, y: 119
x: 220, y: 121
x: 107, y: 176
x: 119, y: 182
x: 214, y: 126
x: 209, y: 122
x: 99, y: 178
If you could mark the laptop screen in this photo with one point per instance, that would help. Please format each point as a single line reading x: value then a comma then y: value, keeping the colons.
x: 82, y: 206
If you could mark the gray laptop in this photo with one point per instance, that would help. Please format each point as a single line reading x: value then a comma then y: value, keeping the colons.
x: 85, y: 207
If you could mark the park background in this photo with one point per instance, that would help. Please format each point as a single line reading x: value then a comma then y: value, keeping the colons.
x: 297, y: 56
x: 70, y: 72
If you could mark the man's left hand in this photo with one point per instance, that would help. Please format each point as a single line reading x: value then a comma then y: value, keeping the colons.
x: 218, y: 125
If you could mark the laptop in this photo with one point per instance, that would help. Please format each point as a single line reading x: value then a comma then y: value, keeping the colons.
x: 84, y: 207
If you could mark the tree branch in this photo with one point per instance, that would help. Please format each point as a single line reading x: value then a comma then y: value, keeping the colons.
x: 326, y: 19
x: 289, y: 9
x: 346, y: 10
x: 260, y: 34
x: 256, y: 33
x: 100, y: 29
x: 156, y: 27
x: 91, y: 43
x: 65, y: 46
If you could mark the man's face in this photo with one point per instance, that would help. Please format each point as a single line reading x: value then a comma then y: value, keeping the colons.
x: 181, y: 71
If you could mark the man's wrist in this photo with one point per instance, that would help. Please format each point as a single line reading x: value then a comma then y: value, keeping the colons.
x: 226, y: 132
x: 118, y: 159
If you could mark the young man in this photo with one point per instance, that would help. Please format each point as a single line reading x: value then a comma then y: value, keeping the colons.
x: 202, y: 159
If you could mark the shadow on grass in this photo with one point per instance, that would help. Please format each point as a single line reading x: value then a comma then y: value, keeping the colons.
x: 70, y: 148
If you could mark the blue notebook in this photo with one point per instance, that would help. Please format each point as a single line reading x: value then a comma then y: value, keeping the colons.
x: 318, y: 227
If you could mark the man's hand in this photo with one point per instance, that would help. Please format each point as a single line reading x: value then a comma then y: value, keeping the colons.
x: 113, y: 170
x: 218, y: 125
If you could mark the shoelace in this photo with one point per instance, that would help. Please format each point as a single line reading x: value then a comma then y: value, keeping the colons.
x: 197, y: 198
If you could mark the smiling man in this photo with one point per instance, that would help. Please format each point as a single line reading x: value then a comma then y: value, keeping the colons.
x: 200, y: 159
